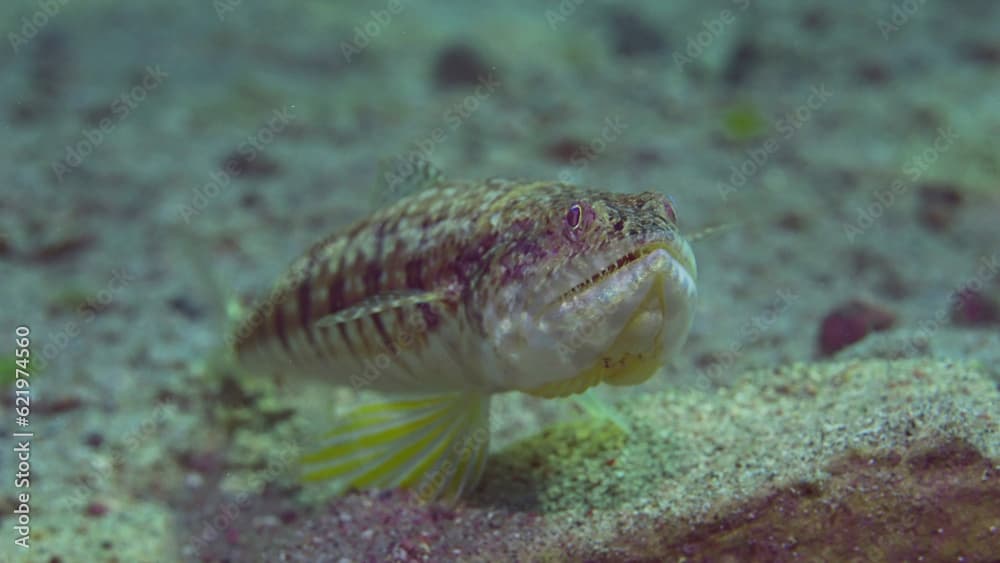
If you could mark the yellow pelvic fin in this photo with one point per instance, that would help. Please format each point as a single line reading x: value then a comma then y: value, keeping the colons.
x: 599, y: 409
x: 435, y: 445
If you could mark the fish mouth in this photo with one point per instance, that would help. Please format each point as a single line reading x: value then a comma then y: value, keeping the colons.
x: 676, y: 251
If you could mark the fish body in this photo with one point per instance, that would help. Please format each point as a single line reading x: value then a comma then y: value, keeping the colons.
x: 464, y: 290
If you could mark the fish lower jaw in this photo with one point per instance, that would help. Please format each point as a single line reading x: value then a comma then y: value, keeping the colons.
x: 628, y: 369
x: 634, y: 357
x: 566, y: 387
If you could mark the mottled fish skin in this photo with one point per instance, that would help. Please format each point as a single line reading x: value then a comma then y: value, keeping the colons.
x: 426, y: 245
x: 434, y: 292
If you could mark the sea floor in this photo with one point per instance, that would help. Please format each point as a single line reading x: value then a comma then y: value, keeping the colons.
x: 839, y: 393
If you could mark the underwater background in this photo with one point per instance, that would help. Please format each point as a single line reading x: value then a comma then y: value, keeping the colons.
x: 839, y: 393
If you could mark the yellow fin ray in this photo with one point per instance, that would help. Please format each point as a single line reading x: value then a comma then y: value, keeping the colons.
x: 374, y: 434
x: 406, y: 461
x: 467, y: 475
x: 436, y: 445
x: 597, y: 408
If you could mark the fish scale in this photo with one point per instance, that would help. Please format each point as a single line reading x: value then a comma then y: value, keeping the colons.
x: 422, y: 245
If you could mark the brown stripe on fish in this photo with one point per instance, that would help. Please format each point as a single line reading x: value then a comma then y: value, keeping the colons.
x: 358, y: 295
x: 338, y: 299
x: 304, y: 298
x: 256, y: 333
x: 409, y: 342
x: 380, y: 328
x: 323, y: 283
x: 373, y: 282
x: 278, y: 322
x: 308, y: 306
x: 415, y: 280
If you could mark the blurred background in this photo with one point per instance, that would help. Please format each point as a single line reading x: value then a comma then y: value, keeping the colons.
x: 160, y: 159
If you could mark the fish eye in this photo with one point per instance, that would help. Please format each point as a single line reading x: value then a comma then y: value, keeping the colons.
x: 573, y: 216
x: 668, y: 207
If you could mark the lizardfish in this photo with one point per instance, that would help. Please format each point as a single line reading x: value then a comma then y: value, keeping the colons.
x: 460, y: 291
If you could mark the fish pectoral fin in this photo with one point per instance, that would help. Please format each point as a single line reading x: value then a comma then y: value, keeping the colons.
x: 378, y: 304
x: 434, y: 445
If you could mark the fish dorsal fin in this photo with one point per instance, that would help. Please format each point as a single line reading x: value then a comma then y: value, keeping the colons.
x: 403, y: 176
x: 378, y: 304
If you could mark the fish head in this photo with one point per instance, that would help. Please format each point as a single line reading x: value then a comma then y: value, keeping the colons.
x: 600, y: 289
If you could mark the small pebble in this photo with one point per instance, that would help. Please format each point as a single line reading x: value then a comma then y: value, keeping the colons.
x: 186, y: 307
x: 60, y: 405
x: 792, y: 221
x: 939, y: 205
x: 63, y: 248
x: 850, y: 323
x: 742, y: 63
x: 565, y: 150
x: 94, y: 439
x: 873, y: 73
x: 288, y: 516
x: 240, y: 164
x: 973, y: 308
x: 633, y: 37
x: 982, y: 52
x: 459, y: 65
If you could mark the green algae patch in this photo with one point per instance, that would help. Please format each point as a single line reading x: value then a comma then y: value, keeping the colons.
x: 9, y: 367
x: 585, y: 462
x: 72, y: 299
x: 743, y: 122
x: 548, y: 468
